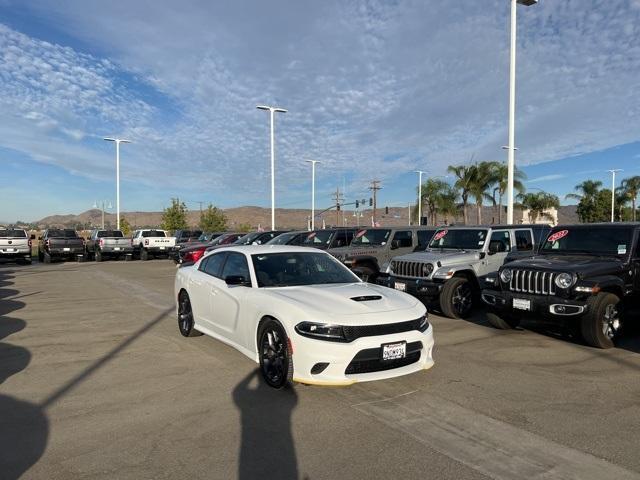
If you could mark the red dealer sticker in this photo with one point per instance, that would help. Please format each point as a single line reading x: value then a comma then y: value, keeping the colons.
x: 440, y: 234
x: 557, y: 236
x: 360, y: 233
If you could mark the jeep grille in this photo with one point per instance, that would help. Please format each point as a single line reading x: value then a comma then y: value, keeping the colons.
x: 532, y: 281
x: 403, y: 268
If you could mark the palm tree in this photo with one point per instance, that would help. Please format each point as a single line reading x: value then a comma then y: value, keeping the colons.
x: 538, y: 203
x: 501, y: 181
x: 464, y: 182
x: 588, y: 189
x: 631, y: 187
x: 483, y: 177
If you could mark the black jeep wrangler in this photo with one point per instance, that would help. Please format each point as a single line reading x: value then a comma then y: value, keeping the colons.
x: 588, y: 275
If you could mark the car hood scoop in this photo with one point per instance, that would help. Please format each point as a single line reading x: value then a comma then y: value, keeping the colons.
x: 366, y: 298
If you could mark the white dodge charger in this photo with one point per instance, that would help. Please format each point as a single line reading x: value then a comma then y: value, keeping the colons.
x: 303, y: 316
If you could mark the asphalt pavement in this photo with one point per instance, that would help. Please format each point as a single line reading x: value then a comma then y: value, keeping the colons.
x: 96, y: 382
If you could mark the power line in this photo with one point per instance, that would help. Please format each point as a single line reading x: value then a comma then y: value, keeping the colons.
x: 375, y: 186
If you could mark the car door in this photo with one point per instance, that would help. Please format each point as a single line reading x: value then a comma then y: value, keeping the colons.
x: 498, y: 249
x: 226, y: 300
x: 204, y: 283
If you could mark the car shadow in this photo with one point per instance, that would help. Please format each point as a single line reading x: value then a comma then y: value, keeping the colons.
x: 267, y: 448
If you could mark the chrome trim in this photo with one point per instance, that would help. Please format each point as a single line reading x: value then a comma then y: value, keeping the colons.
x: 489, y: 299
x: 581, y: 309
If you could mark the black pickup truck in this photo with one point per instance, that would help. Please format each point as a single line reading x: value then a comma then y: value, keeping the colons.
x: 583, y: 275
x: 56, y: 243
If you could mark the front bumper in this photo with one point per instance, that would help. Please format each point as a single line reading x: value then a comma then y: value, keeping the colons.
x: 549, y: 307
x: 421, y: 288
x: 307, y: 352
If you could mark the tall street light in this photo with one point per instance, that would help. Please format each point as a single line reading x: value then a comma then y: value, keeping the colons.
x: 419, y: 172
x: 613, y: 192
x: 272, y: 111
x: 313, y: 192
x: 512, y: 106
x: 118, y: 142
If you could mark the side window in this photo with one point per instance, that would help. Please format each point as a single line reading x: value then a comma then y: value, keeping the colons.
x: 424, y: 236
x: 524, y: 240
x: 213, y: 264
x: 403, y: 237
x: 349, y: 234
x: 340, y: 240
x: 500, y: 241
x: 236, y: 264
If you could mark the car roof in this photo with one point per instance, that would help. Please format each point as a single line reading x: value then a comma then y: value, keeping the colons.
x: 495, y: 226
x: 262, y: 249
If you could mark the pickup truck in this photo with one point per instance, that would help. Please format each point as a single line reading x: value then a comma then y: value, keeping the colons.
x: 150, y: 242
x: 584, y: 277
x: 451, y: 269
x: 108, y: 244
x: 15, y: 244
x: 60, y: 243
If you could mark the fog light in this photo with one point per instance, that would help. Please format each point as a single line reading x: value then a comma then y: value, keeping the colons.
x: 319, y: 368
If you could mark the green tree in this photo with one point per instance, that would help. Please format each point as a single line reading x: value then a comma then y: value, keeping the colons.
x: 244, y: 228
x: 588, y: 203
x: 125, y: 227
x: 500, y: 182
x: 631, y: 187
x: 596, y: 208
x: 436, y: 197
x: 464, y: 181
x: 483, y: 176
x: 213, y: 219
x: 175, y: 216
x: 538, y: 203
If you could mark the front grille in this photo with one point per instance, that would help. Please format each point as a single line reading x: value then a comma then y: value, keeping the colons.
x: 404, y: 268
x: 352, y: 333
x: 532, y: 281
x: 368, y: 361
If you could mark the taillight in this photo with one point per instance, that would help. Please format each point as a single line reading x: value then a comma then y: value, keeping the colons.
x: 46, y: 242
x: 102, y: 242
x: 146, y: 241
x: 30, y: 244
x: 193, y: 256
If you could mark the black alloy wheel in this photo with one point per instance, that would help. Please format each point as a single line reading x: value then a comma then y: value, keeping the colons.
x: 457, y: 298
x: 186, y: 323
x: 276, y: 363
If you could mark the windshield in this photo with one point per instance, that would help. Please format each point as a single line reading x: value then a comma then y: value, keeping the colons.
x: 283, y: 239
x: 471, y: 239
x: 320, y: 239
x: 597, y: 241
x: 12, y: 234
x: 110, y: 234
x: 300, y: 268
x: 248, y: 238
x: 62, y: 234
x: 371, y: 237
x: 190, y: 233
x: 153, y: 233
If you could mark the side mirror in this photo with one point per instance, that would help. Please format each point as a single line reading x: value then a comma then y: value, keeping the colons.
x: 237, y: 280
x: 32, y: 237
x: 395, y: 244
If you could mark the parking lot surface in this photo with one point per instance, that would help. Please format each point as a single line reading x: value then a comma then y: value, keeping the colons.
x: 96, y: 382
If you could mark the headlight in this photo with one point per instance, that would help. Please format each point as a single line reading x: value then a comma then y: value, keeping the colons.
x: 506, y: 275
x: 564, y: 280
x: 321, y: 331
x: 424, y: 323
x: 386, y: 267
x: 426, y: 269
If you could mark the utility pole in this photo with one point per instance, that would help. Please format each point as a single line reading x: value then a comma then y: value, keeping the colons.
x: 338, y: 198
x: 375, y: 186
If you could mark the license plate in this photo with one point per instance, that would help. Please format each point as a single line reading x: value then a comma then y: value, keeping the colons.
x: 66, y: 249
x: 394, y: 351
x: 401, y: 286
x: 521, y: 304
x: 162, y: 248
x: 10, y: 250
x: 116, y: 248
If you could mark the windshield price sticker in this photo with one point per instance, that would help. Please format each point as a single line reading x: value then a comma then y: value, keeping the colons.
x: 557, y: 236
x: 360, y: 233
x: 440, y: 234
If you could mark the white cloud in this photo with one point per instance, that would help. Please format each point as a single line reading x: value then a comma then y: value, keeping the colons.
x: 547, y: 178
x: 373, y: 88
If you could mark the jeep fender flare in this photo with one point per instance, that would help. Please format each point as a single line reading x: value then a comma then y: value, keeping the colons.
x: 609, y: 283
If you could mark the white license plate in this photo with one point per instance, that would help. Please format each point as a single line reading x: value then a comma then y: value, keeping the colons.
x: 393, y: 351
x: 116, y: 248
x: 10, y: 250
x: 66, y: 249
x: 401, y: 286
x: 162, y: 248
x: 521, y: 304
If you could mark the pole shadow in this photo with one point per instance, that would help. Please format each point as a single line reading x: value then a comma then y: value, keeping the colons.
x: 267, y: 448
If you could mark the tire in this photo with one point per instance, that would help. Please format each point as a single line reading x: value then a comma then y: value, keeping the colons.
x: 502, y: 323
x: 98, y: 256
x: 46, y: 258
x: 186, y: 323
x: 457, y: 298
x: 602, y: 323
x: 276, y: 363
x: 144, y: 255
x: 87, y: 255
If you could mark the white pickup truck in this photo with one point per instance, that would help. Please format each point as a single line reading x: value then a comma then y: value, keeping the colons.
x: 148, y: 243
x: 15, y: 244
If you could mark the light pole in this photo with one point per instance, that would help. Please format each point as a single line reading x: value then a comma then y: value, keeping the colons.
x: 118, y: 142
x: 95, y: 205
x: 512, y: 106
x: 613, y: 192
x: 313, y: 192
x: 272, y: 111
x: 419, y: 172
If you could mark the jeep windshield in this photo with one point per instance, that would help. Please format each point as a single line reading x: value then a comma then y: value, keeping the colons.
x: 320, y: 239
x: 610, y: 241
x: 462, y: 239
x: 371, y: 237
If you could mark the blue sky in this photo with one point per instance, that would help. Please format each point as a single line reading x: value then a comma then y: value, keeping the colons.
x: 373, y: 88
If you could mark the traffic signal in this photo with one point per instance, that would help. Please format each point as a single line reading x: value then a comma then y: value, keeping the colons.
x: 386, y: 210
x: 357, y: 204
x: 370, y: 202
